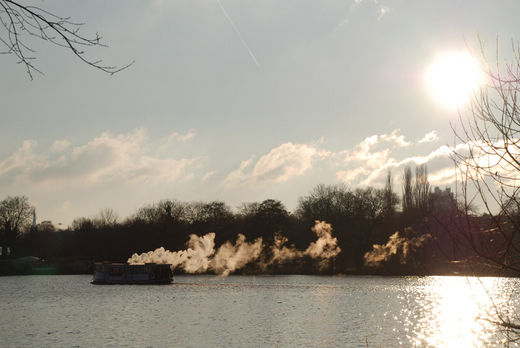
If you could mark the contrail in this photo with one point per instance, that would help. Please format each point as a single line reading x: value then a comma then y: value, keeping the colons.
x: 238, y: 33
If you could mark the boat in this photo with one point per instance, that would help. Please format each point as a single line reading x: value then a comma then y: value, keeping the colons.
x: 124, y: 273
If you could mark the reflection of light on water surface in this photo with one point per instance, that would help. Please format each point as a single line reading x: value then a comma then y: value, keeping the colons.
x: 456, y: 312
x: 256, y: 311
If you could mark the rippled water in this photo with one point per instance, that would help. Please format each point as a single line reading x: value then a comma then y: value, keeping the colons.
x: 256, y: 311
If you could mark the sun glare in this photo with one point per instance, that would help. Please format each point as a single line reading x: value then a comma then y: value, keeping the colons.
x: 452, y: 77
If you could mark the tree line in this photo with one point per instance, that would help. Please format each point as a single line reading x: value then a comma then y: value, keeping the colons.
x: 361, y: 219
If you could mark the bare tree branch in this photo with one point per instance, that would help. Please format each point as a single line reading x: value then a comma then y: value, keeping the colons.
x: 489, y: 171
x: 22, y: 22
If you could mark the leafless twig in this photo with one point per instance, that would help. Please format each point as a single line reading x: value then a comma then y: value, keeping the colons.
x: 22, y: 22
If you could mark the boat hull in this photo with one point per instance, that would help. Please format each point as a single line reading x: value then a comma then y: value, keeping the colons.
x: 107, y: 273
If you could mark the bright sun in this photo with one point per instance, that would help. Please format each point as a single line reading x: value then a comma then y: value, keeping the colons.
x: 452, y: 77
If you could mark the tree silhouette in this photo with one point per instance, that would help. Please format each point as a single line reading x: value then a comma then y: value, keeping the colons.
x: 421, y: 189
x: 15, y: 216
x: 489, y: 170
x: 23, y: 23
x: 489, y: 165
x: 265, y: 219
x: 390, y: 198
x: 407, y: 190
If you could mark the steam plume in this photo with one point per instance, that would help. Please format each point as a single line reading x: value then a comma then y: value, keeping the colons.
x: 200, y: 255
x: 396, y: 245
x: 231, y: 257
x: 195, y: 259
x: 324, y: 248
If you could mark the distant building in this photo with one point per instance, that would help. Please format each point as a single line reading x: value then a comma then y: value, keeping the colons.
x: 442, y: 199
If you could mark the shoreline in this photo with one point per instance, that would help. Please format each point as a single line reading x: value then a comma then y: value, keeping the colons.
x: 74, y: 267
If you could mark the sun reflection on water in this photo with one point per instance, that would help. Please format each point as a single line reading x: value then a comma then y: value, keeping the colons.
x: 456, y: 312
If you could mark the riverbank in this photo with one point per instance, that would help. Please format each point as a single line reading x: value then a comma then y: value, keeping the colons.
x: 36, y: 266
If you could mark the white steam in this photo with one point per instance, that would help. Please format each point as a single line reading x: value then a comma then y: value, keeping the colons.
x: 231, y: 257
x: 396, y: 245
x: 200, y: 255
x: 324, y: 248
x: 195, y: 259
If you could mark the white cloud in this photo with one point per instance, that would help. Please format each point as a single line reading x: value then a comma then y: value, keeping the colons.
x: 368, y: 163
x: 375, y: 150
x: 19, y: 158
x: 398, y: 140
x: 279, y: 165
x: 175, y: 138
x: 129, y: 157
x: 349, y: 176
x: 60, y: 145
x: 365, y: 164
x: 183, y: 138
x: 443, y: 176
x: 209, y: 175
x: 429, y: 137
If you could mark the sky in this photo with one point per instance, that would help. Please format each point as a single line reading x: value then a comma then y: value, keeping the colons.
x: 236, y: 100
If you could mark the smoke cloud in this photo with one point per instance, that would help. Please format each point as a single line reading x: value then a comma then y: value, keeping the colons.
x: 396, y: 245
x: 200, y: 255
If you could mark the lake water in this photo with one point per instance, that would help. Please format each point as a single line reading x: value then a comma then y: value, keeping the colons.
x: 256, y: 311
